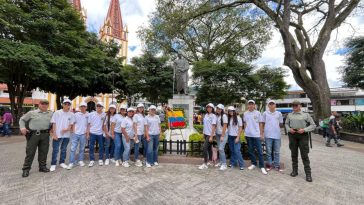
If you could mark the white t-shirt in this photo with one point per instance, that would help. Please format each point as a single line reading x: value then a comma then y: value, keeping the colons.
x: 139, y: 119
x: 96, y: 122
x: 127, y: 123
x: 233, y: 130
x: 153, y: 124
x: 218, y: 123
x: 272, y: 121
x: 81, y: 121
x: 108, y: 128
x: 252, y: 120
x: 117, y: 119
x: 208, y: 121
x: 63, y: 120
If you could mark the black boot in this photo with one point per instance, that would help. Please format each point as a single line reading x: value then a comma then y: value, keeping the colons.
x: 25, y: 173
x: 339, y: 144
x: 308, y: 177
x: 294, y: 173
x: 43, y: 169
x: 328, y: 145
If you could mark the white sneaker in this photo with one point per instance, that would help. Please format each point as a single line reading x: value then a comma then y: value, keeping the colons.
x: 251, y: 167
x: 91, y: 164
x: 223, y: 167
x: 264, y: 171
x: 126, y: 164
x: 53, y: 168
x: 101, y: 162
x: 70, y: 166
x: 81, y: 163
x: 63, y: 165
x: 203, y: 166
x: 117, y: 163
x: 112, y: 160
x: 148, y: 165
x: 138, y: 163
x: 208, y: 164
x: 107, y: 161
x: 156, y: 164
x: 218, y: 165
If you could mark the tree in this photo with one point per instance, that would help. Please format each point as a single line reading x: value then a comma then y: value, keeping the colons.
x: 353, y: 71
x: 303, y: 50
x: 227, y: 33
x: 149, y: 77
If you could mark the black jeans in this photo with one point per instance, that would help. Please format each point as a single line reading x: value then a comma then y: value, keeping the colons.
x: 207, y: 151
x: 299, y: 141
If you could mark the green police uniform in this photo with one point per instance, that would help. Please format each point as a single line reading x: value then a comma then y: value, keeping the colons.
x: 39, y: 124
x: 299, y: 120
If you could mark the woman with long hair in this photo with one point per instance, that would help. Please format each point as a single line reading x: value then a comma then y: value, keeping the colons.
x: 138, y: 125
x: 235, y: 128
x: 152, y: 133
x: 117, y: 135
x: 221, y: 138
x: 109, y: 142
x: 209, y: 125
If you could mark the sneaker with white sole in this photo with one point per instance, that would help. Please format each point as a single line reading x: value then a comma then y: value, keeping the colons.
x: 70, y: 166
x: 251, y: 167
x: 117, y: 163
x: 126, y: 164
x: 223, y: 167
x: 264, y: 171
x: 241, y: 168
x: 218, y: 165
x: 148, y: 165
x: 203, y: 166
x: 91, y: 164
x: 156, y: 164
x: 208, y: 164
x: 81, y: 163
x: 53, y: 168
x: 138, y: 163
x: 107, y: 162
x: 63, y: 165
x: 112, y: 160
x: 101, y: 162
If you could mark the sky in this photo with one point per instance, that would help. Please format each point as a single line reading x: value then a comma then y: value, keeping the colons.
x: 135, y: 14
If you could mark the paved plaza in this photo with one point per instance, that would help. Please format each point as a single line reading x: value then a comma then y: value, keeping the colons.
x: 338, y: 175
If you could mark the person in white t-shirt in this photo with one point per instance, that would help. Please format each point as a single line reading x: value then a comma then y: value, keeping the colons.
x: 152, y: 133
x: 95, y: 133
x: 109, y: 142
x: 272, y: 121
x: 127, y: 128
x: 209, y: 126
x: 62, y: 121
x: 221, y: 136
x: 117, y: 135
x: 254, y: 134
x: 79, y: 137
x: 235, y: 129
x: 139, y: 122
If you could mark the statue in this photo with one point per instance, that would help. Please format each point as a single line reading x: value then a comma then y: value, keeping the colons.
x: 181, y: 67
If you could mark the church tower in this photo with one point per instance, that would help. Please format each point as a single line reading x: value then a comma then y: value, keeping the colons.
x: 77, y: 5
x: 113, y: 29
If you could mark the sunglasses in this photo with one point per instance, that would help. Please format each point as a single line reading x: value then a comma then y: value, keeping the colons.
x: 295, y: 105
x: 98, y: 106
x: 44, y: 103
x: 271, y: 104
x: 67, y: 104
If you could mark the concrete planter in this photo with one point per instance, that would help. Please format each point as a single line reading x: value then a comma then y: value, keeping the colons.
x: 353, y: 137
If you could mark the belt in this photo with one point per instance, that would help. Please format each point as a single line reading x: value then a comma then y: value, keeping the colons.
x: 38, y: 132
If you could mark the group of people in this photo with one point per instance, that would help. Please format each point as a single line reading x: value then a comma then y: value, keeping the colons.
x: 117, y: 132
x: 227, y: 128
x: 330, y: 128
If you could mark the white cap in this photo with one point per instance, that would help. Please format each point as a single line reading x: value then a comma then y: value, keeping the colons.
x: 131, y: 109
x: 83, y: 104
x: 210, y: 105
x: 152, y: 107
x: 232, y: 108
x: 220, y: 106
x: 100, y: 103
x: 123, y: 106
x: 67, y: 101
x: 251, y: 101
x: 271, y: 101
x: 112, y: 106
x: 140, y: 105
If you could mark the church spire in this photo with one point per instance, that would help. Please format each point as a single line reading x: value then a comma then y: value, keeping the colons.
x: 114, y: 21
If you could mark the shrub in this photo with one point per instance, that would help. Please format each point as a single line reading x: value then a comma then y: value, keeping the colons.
x: 354, y: 122
x: 198, y: 128
x: 196, y: 137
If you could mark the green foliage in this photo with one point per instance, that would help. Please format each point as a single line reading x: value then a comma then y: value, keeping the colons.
x: 354, y: 122
x: 353, y: 71
x: 198, y: 128
x: 196, y: 137
x: 164, y: 126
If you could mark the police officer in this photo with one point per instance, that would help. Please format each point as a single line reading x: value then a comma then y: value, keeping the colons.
x: 37, y: 134
x: 299, y: 124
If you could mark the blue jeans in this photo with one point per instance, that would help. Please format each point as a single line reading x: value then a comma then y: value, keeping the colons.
x: 273, y: 145
x: 236, y: 156
x: 109, y: 147
x: 145, y: 147
x: 136, y: 146
x: 126, y: 153
x: 255, y: 144
x: 119, y: 148
x: 221, y: 146
x: 153, y: 146
x: 75, y: 141
x: 55, y: 144
x: 99, y: 139
x: 6, y: 129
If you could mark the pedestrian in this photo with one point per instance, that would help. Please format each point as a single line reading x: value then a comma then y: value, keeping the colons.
x: 272, y: 121
x: 209, y: 122
x: 221, y: 137
x: 62, y: 123
x: 254, y: 135
x: 95, y: 133
x: 108, y: 139
x: 332, y: 131
x: 117, y: 135
x: 78, y: 139
x: 35, y: 126
x: 127, y: 128
x: 235, y: 129
x: 7, y: 122
x: 152, y: 133
x: 139, y: 122
x: 299, y: 125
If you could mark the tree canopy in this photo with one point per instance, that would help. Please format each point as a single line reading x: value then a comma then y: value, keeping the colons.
x: 353, y: 71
